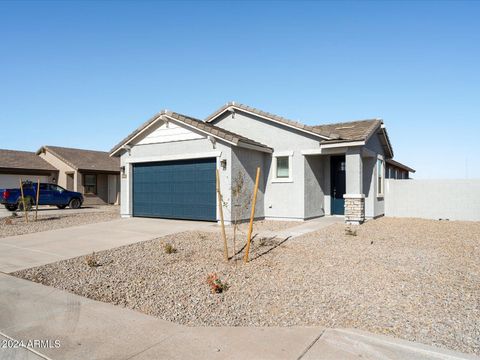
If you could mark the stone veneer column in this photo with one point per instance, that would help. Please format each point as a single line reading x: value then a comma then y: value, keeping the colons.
x: 354, y: 197
x: 354, y: 208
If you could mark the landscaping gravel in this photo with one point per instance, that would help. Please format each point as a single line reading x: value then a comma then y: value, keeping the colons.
x: 12, y: 226
x: 414, y: 279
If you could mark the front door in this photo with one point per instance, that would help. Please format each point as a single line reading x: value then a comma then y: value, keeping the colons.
x: 338, y: 180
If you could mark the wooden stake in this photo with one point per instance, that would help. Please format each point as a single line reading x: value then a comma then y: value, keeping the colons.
x: 23, y: 200
x: 252, y: 215
x: 38, y: 195
x: 220, y: 209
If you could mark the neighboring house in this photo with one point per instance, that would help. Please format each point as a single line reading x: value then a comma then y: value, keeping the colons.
x: 168, y: 166
x: 25, y: 165
x: 396, y: 170
x: 93, y: 173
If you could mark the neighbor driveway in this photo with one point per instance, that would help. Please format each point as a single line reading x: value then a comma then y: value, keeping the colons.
x: 25, y: 251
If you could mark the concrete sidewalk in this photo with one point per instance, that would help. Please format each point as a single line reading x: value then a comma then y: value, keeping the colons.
x: 29, y: 250
x: 89, y: 329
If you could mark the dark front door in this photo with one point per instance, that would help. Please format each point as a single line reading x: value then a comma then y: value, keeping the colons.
x: 338, y: 179
x: 175, y: 189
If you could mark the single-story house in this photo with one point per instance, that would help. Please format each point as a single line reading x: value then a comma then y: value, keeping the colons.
x: 24, y: 165
x: 169, y: 163
x: 93, y: 173
x: 397, y: 170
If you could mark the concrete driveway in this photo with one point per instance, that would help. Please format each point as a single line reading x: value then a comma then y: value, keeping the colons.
x: 25, y: 251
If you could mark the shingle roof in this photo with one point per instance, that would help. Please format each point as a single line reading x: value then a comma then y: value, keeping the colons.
x: 13, y: 159
x: 351, y: 131
x: 359, y: 130
x: 400, y: 165
x: 277, y: 118
x: 196, y: 123
x: 81, y: 159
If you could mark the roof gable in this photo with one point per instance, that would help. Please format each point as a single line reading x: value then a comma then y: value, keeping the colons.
x: 195, y: 124
x: 81, y: 159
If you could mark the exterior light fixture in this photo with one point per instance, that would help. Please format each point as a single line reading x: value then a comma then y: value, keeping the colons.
x: 223, y: 164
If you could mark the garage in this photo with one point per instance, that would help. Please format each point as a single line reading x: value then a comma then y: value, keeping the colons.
x: 180, y: 189
x: 13, y: 180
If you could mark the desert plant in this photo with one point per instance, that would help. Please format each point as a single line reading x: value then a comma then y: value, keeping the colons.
x: 241, y: 197
x: 91, y: 260
x: 350, y: 231
x: 217, y: 286
x: 169, y: 248
x: 8, y: 221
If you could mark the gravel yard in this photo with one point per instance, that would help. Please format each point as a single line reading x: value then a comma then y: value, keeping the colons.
x: 12, y: 226
x: 414, y: 279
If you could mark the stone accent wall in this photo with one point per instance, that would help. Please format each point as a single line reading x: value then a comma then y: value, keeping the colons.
x: 354, y: 209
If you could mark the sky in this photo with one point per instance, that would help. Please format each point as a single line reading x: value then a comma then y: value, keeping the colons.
x: 85, y: 74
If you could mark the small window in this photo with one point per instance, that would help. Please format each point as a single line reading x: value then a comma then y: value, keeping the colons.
x: 380, y: 177
x: 283, y: 169
x: 90, y: 184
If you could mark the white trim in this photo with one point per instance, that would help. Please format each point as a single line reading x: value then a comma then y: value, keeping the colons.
x: 254, y: 147
x: 354, y: 196
x: 137, y: 134
x: 200, y: 130
x: 267, y: 118
x: 342, y: 144
x: 131, y: 160
x: 312, y: 152
x: 378, y: 193
x: 276, y: 155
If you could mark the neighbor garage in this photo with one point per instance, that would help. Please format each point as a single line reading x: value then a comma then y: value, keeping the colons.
x: 182, y: 189
x: 25, y: 166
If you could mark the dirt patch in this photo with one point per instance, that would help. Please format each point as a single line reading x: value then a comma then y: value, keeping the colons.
x: 409, y: 278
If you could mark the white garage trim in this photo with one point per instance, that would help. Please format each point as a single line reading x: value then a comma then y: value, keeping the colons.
x: 173, y: 157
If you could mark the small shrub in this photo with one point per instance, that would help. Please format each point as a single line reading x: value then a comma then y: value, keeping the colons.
x: 169, y: 248
x: 14, y: 214
x: 217, y: 286
x: 91, y: 260
x: 8, y: 221
x: 350, y: 231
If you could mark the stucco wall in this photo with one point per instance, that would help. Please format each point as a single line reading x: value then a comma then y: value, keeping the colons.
x: 433, y: 199
x: 101, y: 197
x: 282, y: 200
x: 160, y: 151
x: 374, y: 206
x: 244, y: 164
x: 315, y: 185
x: 62, y: 167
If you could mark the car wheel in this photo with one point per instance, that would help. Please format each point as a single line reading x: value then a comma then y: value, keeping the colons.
x: 28, y: 204
x: 11, y: 207
x: 61, y: 206
x: 74, y: 204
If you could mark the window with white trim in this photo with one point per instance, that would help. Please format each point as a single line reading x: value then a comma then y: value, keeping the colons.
x: 380, y: 177
x: 282, y: 167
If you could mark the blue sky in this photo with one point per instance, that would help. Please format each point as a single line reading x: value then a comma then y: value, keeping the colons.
x: 85, y: 74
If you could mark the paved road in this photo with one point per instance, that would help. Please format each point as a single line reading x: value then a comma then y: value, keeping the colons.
x: 29, y: 250
x: 89, y: 329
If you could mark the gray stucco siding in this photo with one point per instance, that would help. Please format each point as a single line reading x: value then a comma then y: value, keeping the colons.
x: 282, y: 199
x: 315, y: 186
x: 374, y: 205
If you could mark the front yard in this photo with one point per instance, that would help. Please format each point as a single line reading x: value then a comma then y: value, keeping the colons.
x: 58, y: 219
x: 414, y: 279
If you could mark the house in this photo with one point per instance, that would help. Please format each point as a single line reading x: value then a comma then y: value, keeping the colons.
x: 24, y: 165
x: 396, y: 170
x: 93, y: 173
x: 168, y: 166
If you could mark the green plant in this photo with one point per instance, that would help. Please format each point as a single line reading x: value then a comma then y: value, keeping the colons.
x: 91, y: 260
x: 217, y: 286
x: 350, y: 231
x: 169, y: 248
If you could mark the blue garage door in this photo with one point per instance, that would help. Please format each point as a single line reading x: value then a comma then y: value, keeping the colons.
x: 175, y: 189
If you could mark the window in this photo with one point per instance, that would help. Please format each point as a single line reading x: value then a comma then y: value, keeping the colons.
x: 90, y: 184
x: 380, y: 177
x: 282, y: 167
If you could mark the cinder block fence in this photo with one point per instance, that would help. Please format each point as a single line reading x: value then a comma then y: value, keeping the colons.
x: 433, y: 199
